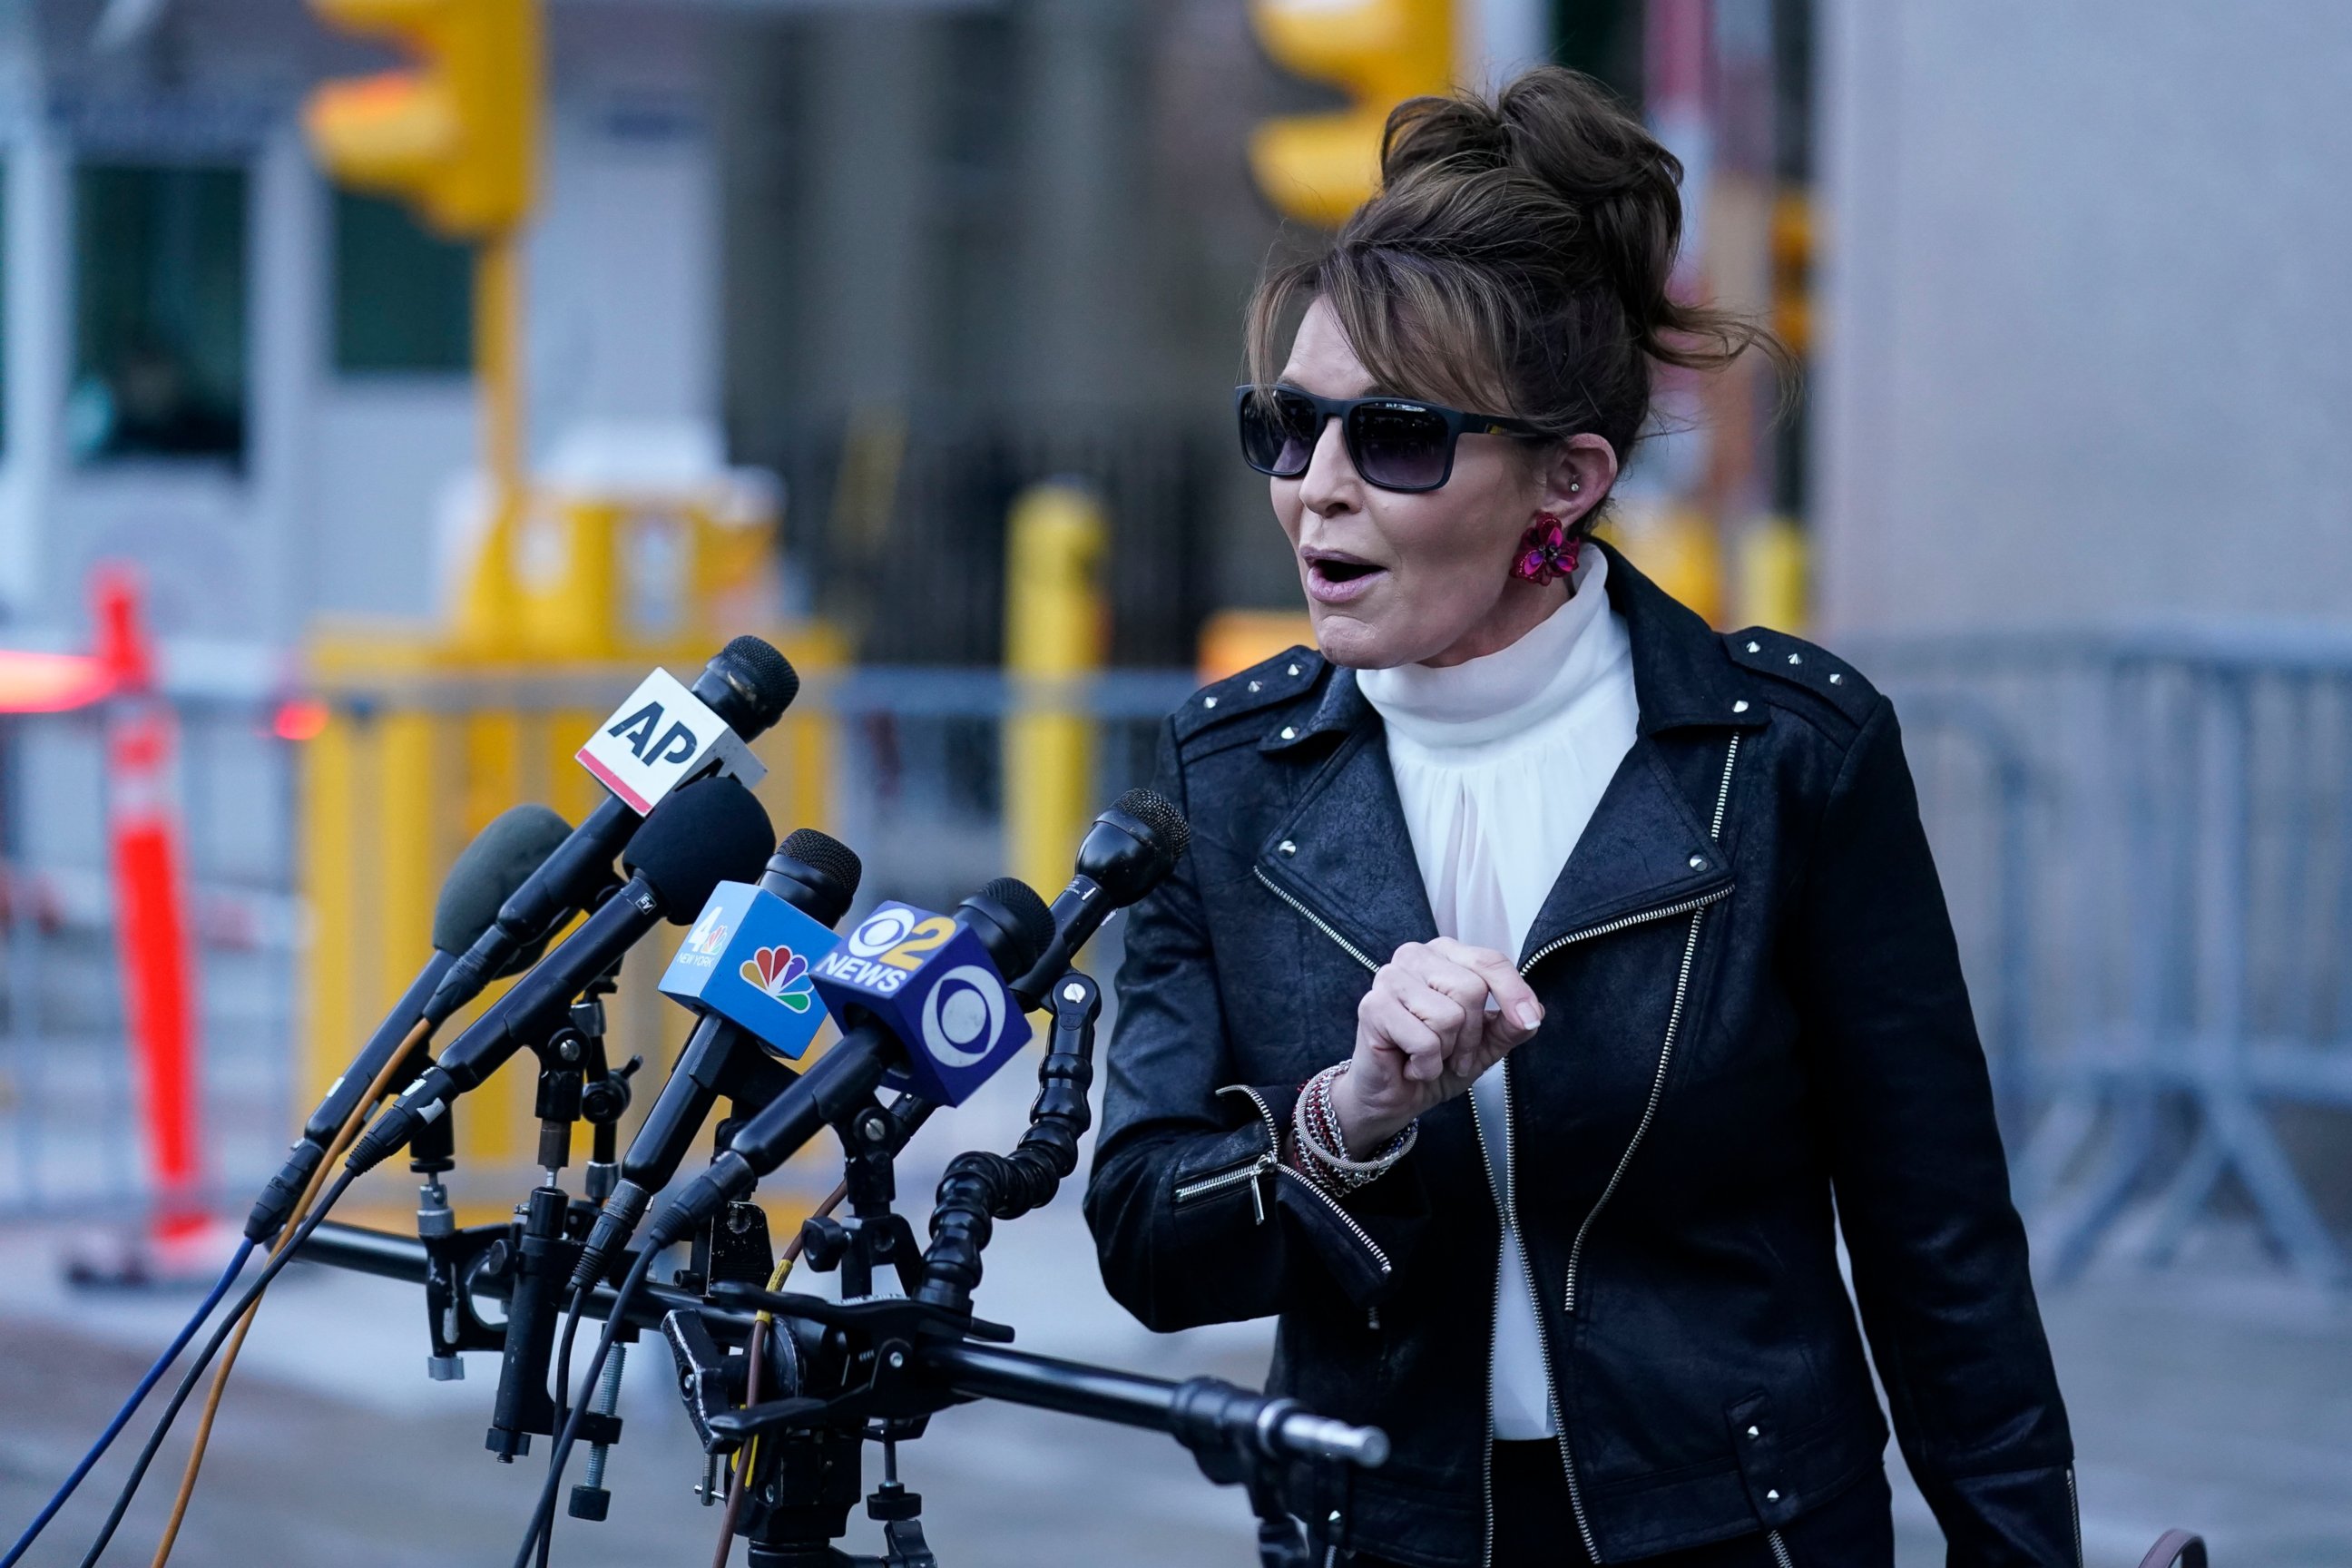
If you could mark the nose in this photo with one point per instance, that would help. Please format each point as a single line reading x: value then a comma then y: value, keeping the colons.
x: 1330, y: 483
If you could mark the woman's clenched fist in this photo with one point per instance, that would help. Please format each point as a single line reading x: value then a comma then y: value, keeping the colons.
x: 1438, y: 1014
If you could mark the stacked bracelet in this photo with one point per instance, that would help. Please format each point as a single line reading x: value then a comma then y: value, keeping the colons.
x: 1322, y: 1148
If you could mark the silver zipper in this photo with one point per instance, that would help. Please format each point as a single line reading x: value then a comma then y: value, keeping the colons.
x: 1316, y: 920
x: 1649, y: 1111
x: 1666, y: 1051
x: 1779, y: 1549
x: 1271, y: 1161
x: 1233, y: 1178
x: 2074, y: 1507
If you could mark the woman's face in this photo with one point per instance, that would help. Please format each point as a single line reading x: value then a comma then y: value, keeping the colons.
x: 1422, y: 577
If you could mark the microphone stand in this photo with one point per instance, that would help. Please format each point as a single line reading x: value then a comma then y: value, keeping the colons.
x: 870, y: 1368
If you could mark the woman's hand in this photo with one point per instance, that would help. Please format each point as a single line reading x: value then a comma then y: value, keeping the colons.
x: 1423, y: 1034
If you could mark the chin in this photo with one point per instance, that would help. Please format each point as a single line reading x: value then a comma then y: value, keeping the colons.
x: 1352, y: 644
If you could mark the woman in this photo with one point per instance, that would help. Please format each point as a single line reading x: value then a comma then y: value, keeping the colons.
x: 1551, y: 977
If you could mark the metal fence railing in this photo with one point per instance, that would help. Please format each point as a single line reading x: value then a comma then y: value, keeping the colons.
x: 2147, y: 839
x: 2147, y: 843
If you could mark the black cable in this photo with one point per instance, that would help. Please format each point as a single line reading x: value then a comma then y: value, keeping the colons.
x: 543, y: 1517
x: 204, y: 1358
x: 563, y: 1399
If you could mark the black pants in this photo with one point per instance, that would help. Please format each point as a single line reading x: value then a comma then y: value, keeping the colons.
x: 1535, y: 1524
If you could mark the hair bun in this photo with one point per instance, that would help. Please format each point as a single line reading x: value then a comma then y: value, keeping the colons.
x: 1518, y: 257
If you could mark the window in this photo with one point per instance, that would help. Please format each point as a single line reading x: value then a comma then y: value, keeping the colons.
x: 159, y: 312
x: 403, y: 297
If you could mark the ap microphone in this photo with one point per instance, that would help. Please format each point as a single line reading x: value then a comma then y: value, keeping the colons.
x: 817, y: 875
x: 500, y: 859
x: 941, y: 998
x: 749, y: 685
x: 702, y: 834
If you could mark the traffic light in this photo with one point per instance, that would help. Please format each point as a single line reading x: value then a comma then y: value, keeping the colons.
x: 456, y: 138
x: 1321, y: 167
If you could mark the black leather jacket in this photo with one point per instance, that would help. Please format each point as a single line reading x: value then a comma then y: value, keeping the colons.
x: 1755, y: 1029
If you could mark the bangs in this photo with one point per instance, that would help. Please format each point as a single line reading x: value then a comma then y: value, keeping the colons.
x: 1421, y: 332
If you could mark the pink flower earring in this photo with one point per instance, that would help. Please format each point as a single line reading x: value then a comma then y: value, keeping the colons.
x: 1545, y: 552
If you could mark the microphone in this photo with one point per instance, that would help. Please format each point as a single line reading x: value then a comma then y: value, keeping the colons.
x: 1123, y: 856
x: 939, y: 995
x: 699, y: 835
x: 748, y: 686
x: 818, y: 875
x: 500, y: 859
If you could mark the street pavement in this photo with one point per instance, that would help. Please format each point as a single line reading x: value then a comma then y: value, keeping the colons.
x: 2218, y: 1396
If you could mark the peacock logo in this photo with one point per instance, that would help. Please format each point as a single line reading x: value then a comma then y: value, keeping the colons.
x: 782, y: 973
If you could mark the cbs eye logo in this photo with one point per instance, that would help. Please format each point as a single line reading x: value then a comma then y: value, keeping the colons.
x: 964, y: 1017
x: 881, y: 932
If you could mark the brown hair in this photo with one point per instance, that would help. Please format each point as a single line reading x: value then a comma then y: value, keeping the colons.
x: 1518, y: 249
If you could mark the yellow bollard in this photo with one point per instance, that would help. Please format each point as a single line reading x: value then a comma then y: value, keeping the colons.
x: 1054, y: 626
x: 1675, y: 546
x: 1772, y: 560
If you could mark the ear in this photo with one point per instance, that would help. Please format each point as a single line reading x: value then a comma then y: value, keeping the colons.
x: 1574, y: 476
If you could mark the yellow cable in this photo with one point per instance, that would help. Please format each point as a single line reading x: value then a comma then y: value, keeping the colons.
x: 757, y: 1351
x: 344, y: 1136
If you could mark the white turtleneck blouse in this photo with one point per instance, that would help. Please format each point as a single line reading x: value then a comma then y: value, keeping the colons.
x: 1499, y: 763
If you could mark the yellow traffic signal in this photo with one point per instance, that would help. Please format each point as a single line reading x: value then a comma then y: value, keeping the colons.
x: 456, y: 138
x: 1321, y: 167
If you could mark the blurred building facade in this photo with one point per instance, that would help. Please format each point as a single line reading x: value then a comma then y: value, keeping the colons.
x: 2085, y: 355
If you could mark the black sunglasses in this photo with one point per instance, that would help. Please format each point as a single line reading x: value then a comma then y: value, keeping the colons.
x: 1396, y: 443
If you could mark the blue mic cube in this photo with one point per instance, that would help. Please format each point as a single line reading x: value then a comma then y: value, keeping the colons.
x: 748, y: 959
x: 928, y: 980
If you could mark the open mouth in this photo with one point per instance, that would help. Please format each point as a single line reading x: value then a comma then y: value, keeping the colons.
x: 1336, y: 579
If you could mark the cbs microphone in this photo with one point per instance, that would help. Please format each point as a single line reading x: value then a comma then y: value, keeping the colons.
x: 922, y: 998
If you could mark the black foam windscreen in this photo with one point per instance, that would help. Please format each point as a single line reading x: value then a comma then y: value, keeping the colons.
x: 827, y: 855
x: 761, y: 680
x: 702, y: 834
x: 500, y: 858
x: 1158, y: 812
x: 1033, y: 922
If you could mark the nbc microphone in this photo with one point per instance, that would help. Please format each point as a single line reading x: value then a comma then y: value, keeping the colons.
x: 818, y: 875
x: 921, y: 995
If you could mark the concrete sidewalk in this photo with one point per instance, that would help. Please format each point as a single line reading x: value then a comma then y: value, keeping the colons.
x: 2220, y: 1400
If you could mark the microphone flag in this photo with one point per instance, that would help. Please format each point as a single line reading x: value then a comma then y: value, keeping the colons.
x: 659, y: 737
x: 748, y: 959
x: 928, y: 981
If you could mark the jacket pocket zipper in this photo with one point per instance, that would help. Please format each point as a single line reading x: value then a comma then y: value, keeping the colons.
x: 1271, y: 1161
x: 1207, y: 1186
x: 1780, y: 1550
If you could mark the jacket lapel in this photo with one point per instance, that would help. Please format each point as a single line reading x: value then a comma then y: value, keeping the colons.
x: 1644, y: 850
x: 1344, y: 856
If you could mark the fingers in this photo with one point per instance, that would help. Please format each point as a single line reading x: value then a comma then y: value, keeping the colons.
x: 1449, y: 998
x: 1500, y: 978
x: 1384, y: 1016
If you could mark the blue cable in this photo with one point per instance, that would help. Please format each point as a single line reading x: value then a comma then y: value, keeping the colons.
x: 130, y: 1407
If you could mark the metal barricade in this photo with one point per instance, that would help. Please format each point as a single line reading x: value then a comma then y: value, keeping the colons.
x: 70, y: 1137
x: 2147, y: 843
x: 2161, y: 947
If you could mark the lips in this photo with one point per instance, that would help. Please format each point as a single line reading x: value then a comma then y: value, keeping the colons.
x: 1335, y: 577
